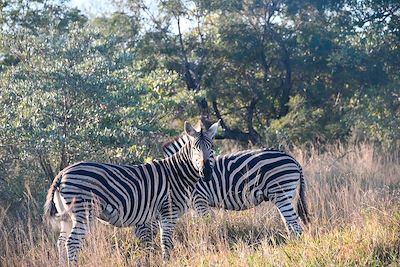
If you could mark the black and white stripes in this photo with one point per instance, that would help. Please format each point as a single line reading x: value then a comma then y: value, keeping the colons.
x: 245, y: 179
x: 128, y: 195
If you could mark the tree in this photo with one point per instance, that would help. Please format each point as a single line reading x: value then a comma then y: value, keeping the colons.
x: 73, y: 94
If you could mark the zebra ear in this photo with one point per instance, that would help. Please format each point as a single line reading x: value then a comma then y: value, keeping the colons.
x: 212, y: 131
x: 189, y: 130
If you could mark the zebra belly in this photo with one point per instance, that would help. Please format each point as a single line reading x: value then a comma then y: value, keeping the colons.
x: 115, y: 219
x: 241, y: 201
x: 228, y: 199
x: 139, y: 215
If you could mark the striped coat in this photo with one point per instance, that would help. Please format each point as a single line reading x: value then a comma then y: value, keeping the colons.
x: 245, y: 179
x: 124, y: 196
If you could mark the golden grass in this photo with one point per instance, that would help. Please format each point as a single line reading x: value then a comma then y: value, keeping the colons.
x: 353, y: 194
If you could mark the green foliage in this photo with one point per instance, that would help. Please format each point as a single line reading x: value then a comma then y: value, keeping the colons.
x: 305, y: 124
x: 376, y: 116
x: 73, y: 94
x: 299, y: 126
x: 251, y: 58
x: 70, y: 95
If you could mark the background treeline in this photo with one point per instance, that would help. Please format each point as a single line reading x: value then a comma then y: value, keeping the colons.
x: 277, y: 72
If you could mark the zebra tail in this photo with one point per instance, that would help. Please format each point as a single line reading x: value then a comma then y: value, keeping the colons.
x: 50, y: 210
x: 302, y: 208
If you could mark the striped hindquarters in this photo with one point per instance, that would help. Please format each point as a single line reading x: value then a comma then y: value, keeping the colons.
x: 245, y: 179
x: 122, y: 195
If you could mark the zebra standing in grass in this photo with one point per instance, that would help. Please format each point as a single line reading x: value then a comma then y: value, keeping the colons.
x: 125, y: 195
x: 245, y: 179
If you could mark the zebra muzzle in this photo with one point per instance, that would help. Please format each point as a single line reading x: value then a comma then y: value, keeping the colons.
x: 206, y: 173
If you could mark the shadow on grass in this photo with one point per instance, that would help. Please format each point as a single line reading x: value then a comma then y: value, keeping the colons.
x: 222, y: 232
x: 254, y: 236
x: 385, y: 255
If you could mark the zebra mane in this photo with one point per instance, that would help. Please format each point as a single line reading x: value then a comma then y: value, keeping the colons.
x: 172, y: 141
x: 174, y: 145
x: 273, y: 149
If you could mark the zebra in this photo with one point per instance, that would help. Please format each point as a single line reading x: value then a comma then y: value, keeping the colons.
x: 245, y: 179
x: 124, y: 196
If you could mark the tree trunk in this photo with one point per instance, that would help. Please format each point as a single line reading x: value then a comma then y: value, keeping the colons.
x: 46, y: 167
x: 236, y: 134
x: 287, y: 81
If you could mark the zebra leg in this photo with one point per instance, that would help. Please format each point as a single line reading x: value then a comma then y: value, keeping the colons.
x: 147, y: 232
x: 80, y: 228
x: 289, y: 215
x: 202, y: 207
x: 167, y: 227
x: 66, y: 226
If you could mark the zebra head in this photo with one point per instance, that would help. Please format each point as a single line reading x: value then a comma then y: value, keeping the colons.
x: 202, y: 153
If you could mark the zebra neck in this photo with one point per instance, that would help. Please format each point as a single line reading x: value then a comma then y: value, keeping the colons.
x: 181, y: 172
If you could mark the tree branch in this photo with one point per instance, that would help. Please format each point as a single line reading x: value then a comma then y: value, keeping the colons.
x: 236, y: 134
x: 190, y: 81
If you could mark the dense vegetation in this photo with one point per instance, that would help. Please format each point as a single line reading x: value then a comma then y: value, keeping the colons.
x: 280, y: 73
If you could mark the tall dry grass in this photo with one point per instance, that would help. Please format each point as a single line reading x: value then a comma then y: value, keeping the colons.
x: 353, y: 194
